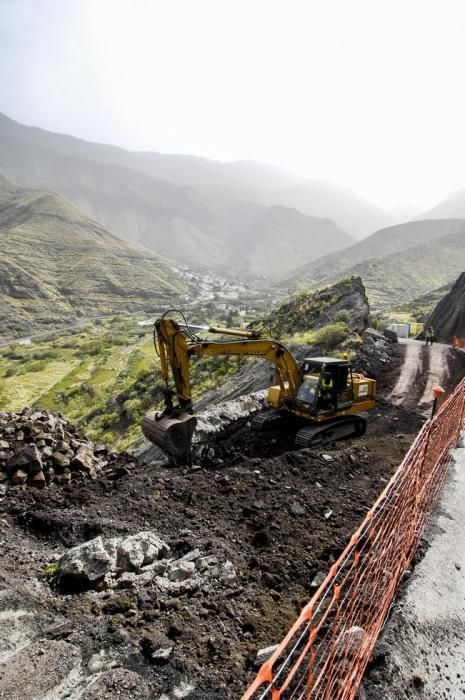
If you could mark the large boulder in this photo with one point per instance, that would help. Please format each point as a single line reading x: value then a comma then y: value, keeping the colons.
x: 89, y: 564
x: 28, y: 459
x: 140, y: 550
x: 82, y: 567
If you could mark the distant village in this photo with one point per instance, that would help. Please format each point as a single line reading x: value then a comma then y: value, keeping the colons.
x: 211, y: 293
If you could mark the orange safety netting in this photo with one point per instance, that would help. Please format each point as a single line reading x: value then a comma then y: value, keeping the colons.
x: 325, y: 653
x: 459, y: 343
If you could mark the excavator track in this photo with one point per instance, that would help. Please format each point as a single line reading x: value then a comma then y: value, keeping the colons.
x: 267, y: 419
x: 331, y: 431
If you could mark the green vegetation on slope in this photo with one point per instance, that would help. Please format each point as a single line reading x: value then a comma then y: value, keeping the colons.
x: 420, y: 308
x: 342, y: 303
x: 396, y: 264
x: 102, y: 376
x: 57, y: 265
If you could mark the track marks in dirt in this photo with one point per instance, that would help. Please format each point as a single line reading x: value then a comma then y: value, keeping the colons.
x: 438, y: 370
x: 423, y: 368
x: 413, y: 366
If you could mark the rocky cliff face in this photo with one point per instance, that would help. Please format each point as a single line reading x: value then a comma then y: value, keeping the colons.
x: 343, y: 302
x: 448, y: 318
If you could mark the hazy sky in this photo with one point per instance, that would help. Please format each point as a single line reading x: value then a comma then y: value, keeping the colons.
x: 365, y: 93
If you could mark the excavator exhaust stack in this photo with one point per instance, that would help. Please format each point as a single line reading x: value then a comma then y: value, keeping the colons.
x: 171, y: 433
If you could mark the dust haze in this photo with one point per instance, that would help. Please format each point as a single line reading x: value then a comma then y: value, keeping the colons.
x: 365, y: 95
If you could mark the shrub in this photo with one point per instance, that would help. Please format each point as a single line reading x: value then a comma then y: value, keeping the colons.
x: 109, y: 420
x: 51, y: 572
x: 11, y: 371
x: 305, y: 338
x: 37, y: 366
x: 342, y: 316
x: 92, y: 347
x: 45, y: 355
x: 86, y: 389
x: 331, y: 335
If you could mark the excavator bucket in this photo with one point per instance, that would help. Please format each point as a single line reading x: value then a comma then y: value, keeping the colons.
x: 172, y: 434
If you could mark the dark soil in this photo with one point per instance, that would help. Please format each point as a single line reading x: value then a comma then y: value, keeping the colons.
x: 240, y: 508
x: 241, y: 512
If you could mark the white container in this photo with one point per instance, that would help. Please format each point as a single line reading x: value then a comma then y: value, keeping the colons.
x: 402, y: 329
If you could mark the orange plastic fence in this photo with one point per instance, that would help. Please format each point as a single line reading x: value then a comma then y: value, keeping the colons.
x: 325, y: 653
x: 459, y: 343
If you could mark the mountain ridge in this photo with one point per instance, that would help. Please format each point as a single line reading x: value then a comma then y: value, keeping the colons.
x: 57, y: 265
x: 185, y: 195
x: 396, y: 264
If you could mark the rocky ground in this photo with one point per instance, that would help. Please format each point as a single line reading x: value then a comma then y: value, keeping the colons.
x: 180, y: 574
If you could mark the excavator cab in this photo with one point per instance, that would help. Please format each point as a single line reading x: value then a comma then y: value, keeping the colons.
x: 326, y: 386
x: 329, y: 395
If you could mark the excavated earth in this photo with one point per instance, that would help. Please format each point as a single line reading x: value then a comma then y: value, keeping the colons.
x: 278, y: 516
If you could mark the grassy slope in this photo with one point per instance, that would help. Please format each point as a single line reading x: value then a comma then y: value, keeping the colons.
x: 423, y: 305
x: 399, y: 276
x: 57, y: 264
x: 103, y: 377
x: 415, y: 272
x: 380, y: 244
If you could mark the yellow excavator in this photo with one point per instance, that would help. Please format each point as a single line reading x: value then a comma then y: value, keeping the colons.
x: 322, y: 394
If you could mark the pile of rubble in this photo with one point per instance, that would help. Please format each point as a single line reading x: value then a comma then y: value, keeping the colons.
x: 39, y: 448
x: 136, y: 561
x: 376, y: 352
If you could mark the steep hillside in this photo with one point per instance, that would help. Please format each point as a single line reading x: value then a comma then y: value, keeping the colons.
x: 448, y: 318
x: 451, y: 207
x: 389, y: 241
x: 396, y: 264
x: 416, y: 271
x: 343, y: 304
x: 56, y: 264
x: 185, y: 170
x: 351, y: 212
x: 175, y: 204
x: 168, y: 219
x: 271, y: 241
x: 421, y: 307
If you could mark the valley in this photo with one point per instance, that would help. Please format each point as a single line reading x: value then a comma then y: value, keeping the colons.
x: 96, y: 243
x: 247, y: 513
x: 232, y: 350
x: 102, y: 376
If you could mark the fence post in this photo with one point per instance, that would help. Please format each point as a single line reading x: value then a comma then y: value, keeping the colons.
x: 462, y: 415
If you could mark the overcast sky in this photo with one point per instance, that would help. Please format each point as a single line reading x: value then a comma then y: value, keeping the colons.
x: 364, y: 93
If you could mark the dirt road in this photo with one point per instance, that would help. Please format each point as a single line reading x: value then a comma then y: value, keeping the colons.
x: 413, y: 366
x: 438, y: 370
x: 424, y: 367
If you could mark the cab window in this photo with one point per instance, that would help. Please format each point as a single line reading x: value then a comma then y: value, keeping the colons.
x: 308, y: 389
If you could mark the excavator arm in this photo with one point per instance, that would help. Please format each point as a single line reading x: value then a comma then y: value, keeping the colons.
x: 175, y: 353
x: 172, y: 429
